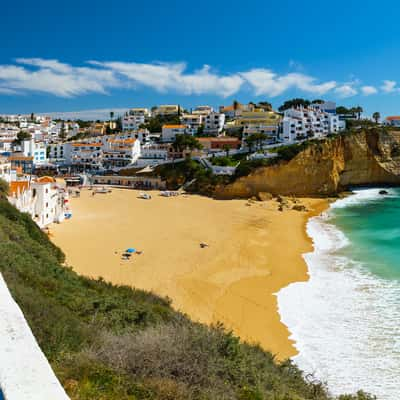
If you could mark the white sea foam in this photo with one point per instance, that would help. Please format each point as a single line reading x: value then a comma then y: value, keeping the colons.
x: 344, y: 320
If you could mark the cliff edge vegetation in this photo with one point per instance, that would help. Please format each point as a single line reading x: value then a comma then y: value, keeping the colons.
x: 366, y: 157
x: 115, y: 342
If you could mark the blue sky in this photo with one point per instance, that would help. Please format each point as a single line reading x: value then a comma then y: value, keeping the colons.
x: 85, y: 55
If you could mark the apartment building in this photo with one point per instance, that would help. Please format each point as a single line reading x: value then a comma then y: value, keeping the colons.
x: 167, y: 109
x: 119, y: 153
x: 301, y: 123
x: 37, y: 150
x: 213, y: 123
x: 132, y: 122
x: 169, y: 132
x: 202, y: 110
x: 193, y: 122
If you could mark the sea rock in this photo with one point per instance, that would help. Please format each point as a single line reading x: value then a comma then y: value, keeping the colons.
x: 383, y: 192
x: 264, y: 196
x: 299, y: 207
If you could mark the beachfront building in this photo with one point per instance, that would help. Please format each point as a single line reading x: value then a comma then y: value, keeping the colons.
x: 86, y: 155
x: 118, y: 153
x: 153, y: 153
x: 141, y: 181
x: 44, y: 199
x: 169, y: 132
x: 166, y: 110
x: 213, y: 123
x: 393, y: 121
x: 302, y: 123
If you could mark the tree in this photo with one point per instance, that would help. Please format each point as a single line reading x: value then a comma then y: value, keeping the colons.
x: 226, y: 148
x: 376, y: 116
x: 293, y: 104
x: 183, y: 142
x: 265, y: 105
x: 236, y: 105
x: 32, y: 117
x: 358, y: 110
x: 62, y: 134
x: 111, y: 115
x: 200, y: 129
x: 317, y: 101
x: 250, y: 142
x: 21, y: 136
x: 342, y: 110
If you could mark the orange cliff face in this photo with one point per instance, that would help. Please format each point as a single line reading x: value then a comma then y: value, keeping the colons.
x: 366, y: 158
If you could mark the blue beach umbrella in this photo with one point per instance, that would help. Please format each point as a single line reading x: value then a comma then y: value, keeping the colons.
x: 130, y: 250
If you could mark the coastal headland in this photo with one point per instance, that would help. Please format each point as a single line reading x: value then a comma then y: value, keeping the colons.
x: 218, y: 261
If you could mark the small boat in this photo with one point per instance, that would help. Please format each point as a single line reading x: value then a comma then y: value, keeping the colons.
x: 145, y: 196
x: 102, y: 190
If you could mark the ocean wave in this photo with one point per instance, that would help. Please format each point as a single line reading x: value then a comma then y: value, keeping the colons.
x: 362, y: 196
x: 344, y: 320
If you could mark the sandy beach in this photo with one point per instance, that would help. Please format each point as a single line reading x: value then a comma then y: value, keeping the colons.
x: 253, y: 252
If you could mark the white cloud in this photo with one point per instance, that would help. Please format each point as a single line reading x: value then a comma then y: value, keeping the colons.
x: 266, y: 82
x: 346, y: 90
x: 172, y: 76
x: 61, y: 79
x: 368, y: 90
x: 53, y: 77
x: 389, y: 86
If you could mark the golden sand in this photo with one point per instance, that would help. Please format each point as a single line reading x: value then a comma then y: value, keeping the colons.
x: 253, y: 252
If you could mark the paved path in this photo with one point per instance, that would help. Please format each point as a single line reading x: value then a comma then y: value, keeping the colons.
x: 25, y: 373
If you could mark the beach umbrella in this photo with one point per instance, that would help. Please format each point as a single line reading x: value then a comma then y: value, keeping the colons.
x: 130, y: 250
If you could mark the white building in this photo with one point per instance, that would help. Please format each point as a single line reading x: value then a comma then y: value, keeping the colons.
x: 6, y: 172
x: 44, y: 199
x: 302, y: 123
x: 192, y: 122
x: 214, y: 123
x: 132, y: 122
x: 37, y: 150
x: 120, y: 153
x: 203, y: 110
x: 393, y: 121
x: 167, y: 109
x: 145, y: 112
x: 169, y: 132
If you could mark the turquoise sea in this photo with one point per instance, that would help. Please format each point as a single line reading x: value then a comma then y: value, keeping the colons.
x: 346, y: 318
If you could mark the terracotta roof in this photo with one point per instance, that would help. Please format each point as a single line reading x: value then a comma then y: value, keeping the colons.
x: 393, y: 118
x: 18, y: 187
x: 87, y: 144
x: 46, y: 179
x: 123, y: 141
x: 174, y: 126
x: 20, y: 158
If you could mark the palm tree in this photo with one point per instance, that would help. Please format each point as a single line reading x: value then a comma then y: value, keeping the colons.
x: 111, y: 115
x: 376, y: 116
x: 359, y: 110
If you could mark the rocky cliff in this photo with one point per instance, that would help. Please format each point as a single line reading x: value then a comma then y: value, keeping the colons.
x: 370, y: 157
